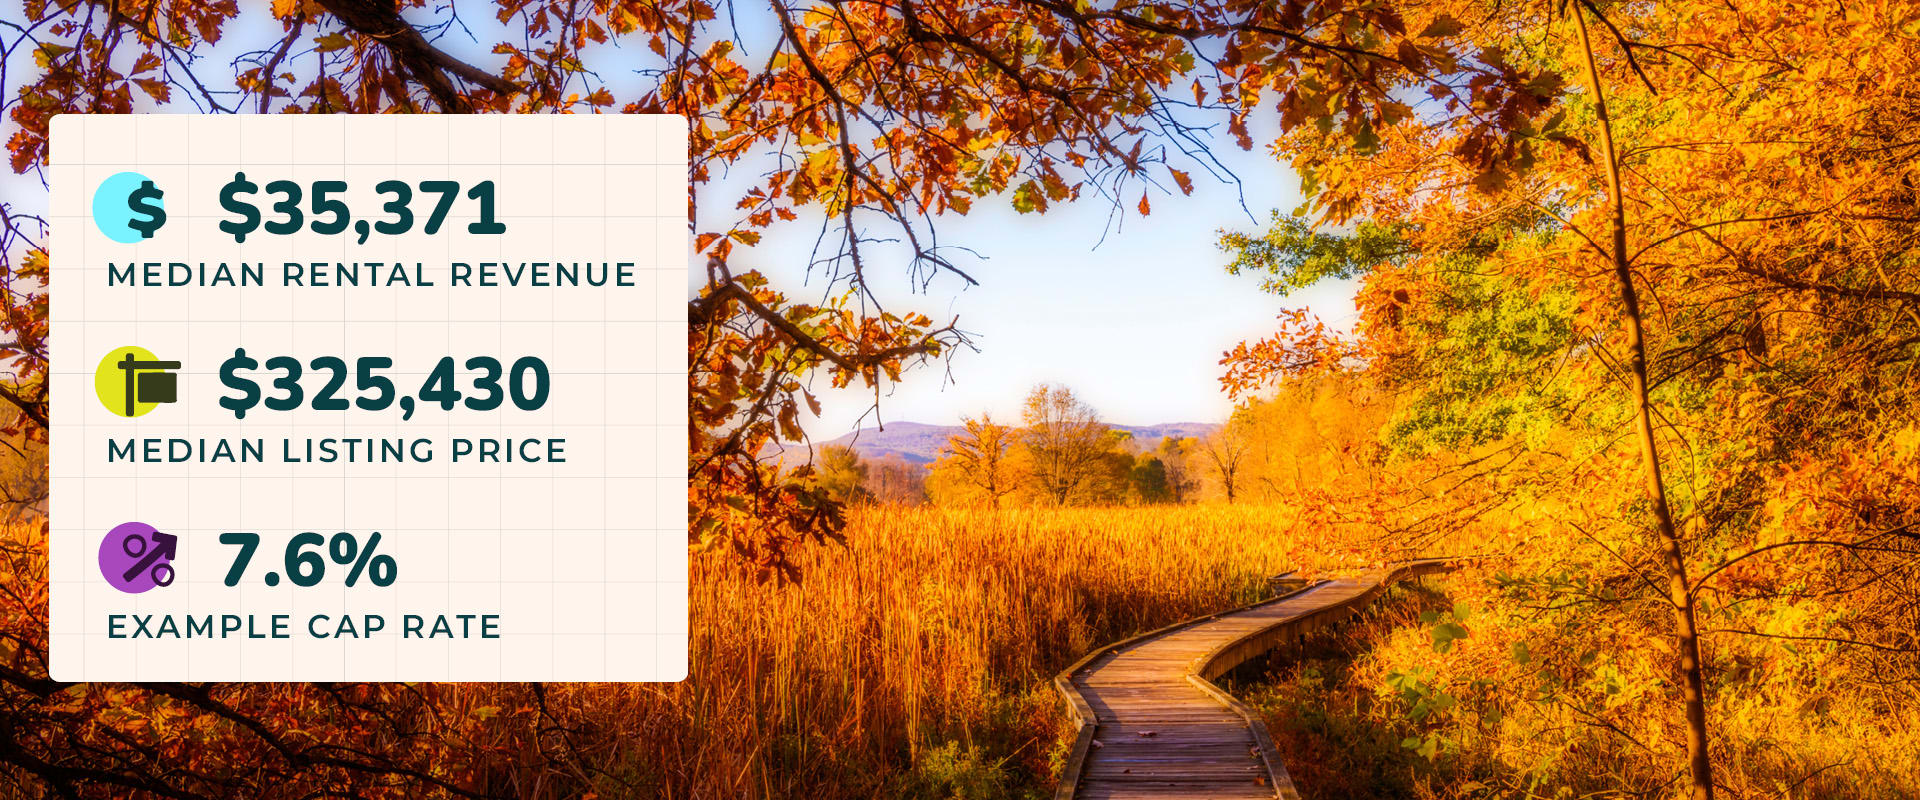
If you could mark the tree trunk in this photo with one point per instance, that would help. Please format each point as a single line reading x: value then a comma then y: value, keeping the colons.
x: 1700, y: 762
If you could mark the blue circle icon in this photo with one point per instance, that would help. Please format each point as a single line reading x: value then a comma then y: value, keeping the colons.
x: 127, y: 207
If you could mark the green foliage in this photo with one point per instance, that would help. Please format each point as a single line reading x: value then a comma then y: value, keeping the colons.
x: 1351, y: 753
x: 1291, y: 255
x: 1448, y: 628
x: 953, y: 771
x: 1148, y: 480
x: 1483, y: 362
x: 842, y: 474
x: 1420, y: 696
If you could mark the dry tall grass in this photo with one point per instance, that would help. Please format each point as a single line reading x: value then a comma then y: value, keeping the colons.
x: 915, y: 660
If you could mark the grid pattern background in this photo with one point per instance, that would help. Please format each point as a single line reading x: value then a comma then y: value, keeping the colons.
x: 584, y: 561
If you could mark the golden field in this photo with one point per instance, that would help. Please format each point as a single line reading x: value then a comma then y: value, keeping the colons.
x: 916, y: 659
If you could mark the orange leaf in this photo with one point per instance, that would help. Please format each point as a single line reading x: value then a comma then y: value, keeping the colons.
x: 1186, y: 183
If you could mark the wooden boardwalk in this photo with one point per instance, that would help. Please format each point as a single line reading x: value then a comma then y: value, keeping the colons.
x: 1153, y: 724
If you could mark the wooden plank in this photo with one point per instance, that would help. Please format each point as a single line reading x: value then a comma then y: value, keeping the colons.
x: 1153, y: 725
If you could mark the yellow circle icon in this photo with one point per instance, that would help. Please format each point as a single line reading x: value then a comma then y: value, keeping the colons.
x: 132, y: 381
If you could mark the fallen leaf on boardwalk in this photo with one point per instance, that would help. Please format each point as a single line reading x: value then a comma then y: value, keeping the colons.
x: 1144, y: 734
x: 1097, y: 744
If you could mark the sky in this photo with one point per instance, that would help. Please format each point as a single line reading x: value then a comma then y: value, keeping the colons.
x: 1135, y: 322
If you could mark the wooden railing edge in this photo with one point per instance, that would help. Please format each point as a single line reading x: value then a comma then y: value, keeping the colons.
x: 1277, y: 777
x: 1085, y: 722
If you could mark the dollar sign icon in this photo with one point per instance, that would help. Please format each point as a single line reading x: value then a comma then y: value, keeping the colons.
x: 249, y: 216
x: 249, y: 391
x: 146, y: 200
x: 127, y: 207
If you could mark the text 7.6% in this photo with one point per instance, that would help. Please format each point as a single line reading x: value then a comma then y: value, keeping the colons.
x: 304, y: 564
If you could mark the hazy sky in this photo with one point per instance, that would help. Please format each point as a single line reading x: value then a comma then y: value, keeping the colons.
x: 1136, y: 326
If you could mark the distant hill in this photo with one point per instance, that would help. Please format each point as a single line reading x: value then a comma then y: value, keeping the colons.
x: 920, y: 443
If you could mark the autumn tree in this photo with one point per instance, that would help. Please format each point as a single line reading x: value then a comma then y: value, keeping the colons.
x: 1177, y: 454
x: 1065, y: 442
x: 1654, y: 365
x: 1116, y: 474
x: 842, y: 474
x: 895, y: 481
x: 1674, y: 557
x: 1148, y: 479
x: 1312, y: 437
x: 1226, y: 452
x: 981, y: 458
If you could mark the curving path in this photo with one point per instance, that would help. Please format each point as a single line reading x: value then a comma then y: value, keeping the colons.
x: 1152, y: 723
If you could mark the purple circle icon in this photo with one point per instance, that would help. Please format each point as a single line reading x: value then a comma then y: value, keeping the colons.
x: 136, y: 557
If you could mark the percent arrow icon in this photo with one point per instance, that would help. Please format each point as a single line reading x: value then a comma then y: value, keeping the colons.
x: 164, y: 544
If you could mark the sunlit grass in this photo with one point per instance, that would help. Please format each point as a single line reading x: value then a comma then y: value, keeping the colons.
x: 917, y: 658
